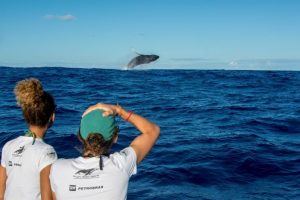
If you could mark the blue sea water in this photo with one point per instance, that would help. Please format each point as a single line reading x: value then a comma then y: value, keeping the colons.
x: 224, y: 134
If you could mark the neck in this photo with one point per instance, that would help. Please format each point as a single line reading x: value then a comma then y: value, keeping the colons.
x: 38, y: 131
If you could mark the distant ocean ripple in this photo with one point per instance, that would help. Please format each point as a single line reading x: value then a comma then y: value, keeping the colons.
x: 224, y: 134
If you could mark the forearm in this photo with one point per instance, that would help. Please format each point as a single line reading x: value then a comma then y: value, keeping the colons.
x: 3, y: 178
x: 45, y: 187
x: 143, y: 143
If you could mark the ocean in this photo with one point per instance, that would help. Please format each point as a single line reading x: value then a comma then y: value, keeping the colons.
x: 224, y: 134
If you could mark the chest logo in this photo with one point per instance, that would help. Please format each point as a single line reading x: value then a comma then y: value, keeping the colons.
x: 19, y: 151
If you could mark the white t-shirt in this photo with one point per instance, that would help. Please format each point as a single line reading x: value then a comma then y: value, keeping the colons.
x: 23, y: 162
x: 81, y: 178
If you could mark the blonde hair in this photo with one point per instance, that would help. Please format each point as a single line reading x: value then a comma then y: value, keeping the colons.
x: 37, y: 105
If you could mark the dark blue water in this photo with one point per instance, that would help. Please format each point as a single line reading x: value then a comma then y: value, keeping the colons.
x: 224, y: 134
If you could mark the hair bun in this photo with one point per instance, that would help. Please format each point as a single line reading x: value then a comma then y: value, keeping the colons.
x: 28, y: 92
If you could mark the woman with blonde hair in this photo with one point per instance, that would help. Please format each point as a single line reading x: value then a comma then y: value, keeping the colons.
x: 26, y: 160
x: 97, y: 174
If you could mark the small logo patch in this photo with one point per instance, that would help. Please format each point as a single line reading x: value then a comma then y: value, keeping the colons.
x: 72, y: 188
x: 51, y: 155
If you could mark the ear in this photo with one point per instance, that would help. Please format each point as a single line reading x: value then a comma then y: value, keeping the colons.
x: 51, y: 121
x: 52, y: 117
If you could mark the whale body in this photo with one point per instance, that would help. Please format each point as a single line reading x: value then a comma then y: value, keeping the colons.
x: 142, y: 59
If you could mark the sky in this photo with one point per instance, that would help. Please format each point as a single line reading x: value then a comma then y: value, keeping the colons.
x: 186, y: 34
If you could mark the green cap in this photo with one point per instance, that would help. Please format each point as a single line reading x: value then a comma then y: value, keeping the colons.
x: 95, y: 122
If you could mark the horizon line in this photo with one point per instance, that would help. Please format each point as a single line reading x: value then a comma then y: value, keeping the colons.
x: 163, y: 68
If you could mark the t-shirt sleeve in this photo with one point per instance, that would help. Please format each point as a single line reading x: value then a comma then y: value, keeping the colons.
x: 48, y: 157
x: 127, y: 158
x: 3, y: 155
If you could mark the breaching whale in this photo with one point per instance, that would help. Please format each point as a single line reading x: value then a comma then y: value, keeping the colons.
x: 142, y: 59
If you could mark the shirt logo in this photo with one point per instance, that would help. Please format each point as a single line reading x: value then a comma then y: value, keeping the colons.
x: 51, y: 155
x: 10, y: 164
x: 74, y: 188
x: 86, y: 173
x: 18, y: 152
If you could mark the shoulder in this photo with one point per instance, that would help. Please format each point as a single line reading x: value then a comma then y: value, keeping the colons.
x: 44, y: 148
x: 123, y: 154
x: 125, y: 160
x: 41, y: 144
x: 61, y: 163
x: 10, y: 144
x: 6, y: 151
x: 46, y: 155
x: 60, y: 166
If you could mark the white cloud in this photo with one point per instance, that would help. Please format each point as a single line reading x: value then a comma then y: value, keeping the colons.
x: 67, y: 17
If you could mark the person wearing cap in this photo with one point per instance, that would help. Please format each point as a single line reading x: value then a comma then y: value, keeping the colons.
x: 97, y: 174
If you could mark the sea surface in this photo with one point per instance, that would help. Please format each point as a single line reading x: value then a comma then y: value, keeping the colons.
x: 224, y: 134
